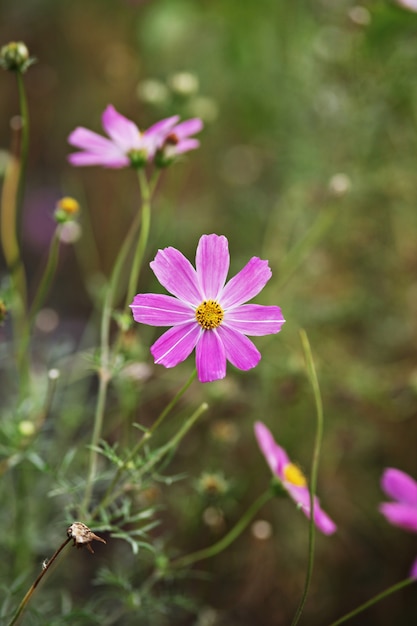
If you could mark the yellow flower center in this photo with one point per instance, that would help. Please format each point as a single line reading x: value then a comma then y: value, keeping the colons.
x: 294, y: 475
x: 209, y: 314
x: 69, y: 205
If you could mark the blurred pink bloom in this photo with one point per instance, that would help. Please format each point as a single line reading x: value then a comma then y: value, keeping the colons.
x: 207, y: 313
x: 291, y: 478
x: 126, y: 144
x: 403, y: 512
x: 408, y: 4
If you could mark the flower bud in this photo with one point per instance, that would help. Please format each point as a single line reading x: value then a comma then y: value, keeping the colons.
x: 66, y: 209
x: 14, y: 56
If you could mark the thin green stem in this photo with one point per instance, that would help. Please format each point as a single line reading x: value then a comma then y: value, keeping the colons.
x: 145, y: 437
x: 160, y: 453
x: 104, y: 369
x: 24, y: 144
x: 146, y: 188
x: 374, y: 600
x: 48, y: 275
x: 312, y: 375
x: 232, y: 535
x: 32, y: 589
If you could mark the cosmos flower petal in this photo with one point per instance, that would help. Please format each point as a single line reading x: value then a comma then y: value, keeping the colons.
x: 121, y: 130
x: 212, y: 264
x: 176, y: 344
x: 246, y: 284
x: 402, y: 515
x: 275, y: 456
x: 162, y: 128
x: 188, y: 127
x: 90, y: 141
x: 177, y: 275
x: 301, y: 496
x: 186, y: 145
x: 210, y: 357
x: 105, y: 160
x: 255, y: 319
x: 399, y: 486
x: 160, y: 310
x: 240, y: 351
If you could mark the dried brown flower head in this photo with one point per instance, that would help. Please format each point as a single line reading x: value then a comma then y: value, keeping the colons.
x: 82, y: 536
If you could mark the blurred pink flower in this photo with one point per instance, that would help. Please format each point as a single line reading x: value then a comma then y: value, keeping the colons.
x: 403, y: 512
x: 291, y: 478
x: 207, y: 313
x: 127, y: 145
x: 408, y: 4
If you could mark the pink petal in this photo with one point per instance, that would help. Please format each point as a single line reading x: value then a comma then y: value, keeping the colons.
x: 210, y: 357
x: 240, y: 351
x: 91, y: 142
x: 160, y: 310
x: 246, y: 284
x: 254, y: 319
x: 86, y: 158
x: 399, y: 486
x: 401, y: 515
x: 275, y: 456
x: 185, y: 145
x: 176, y: 344
x: 301, y: 496
x: 188, y: 127
x: 122, y: 131
x: 162, y: 128
x: 212, y: 263
x: 177, y: 275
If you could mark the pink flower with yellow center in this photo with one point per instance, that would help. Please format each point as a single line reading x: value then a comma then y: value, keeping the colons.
x: 127, y: 145
x: 291, y: 478
x: 402, y: 488
x: 206, y: 312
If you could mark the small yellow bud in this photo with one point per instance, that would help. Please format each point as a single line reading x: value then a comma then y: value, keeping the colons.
x: 66, y: 209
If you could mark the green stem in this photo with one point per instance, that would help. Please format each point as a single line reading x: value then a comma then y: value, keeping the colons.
x: 24, y: 144
x: 32, y: 589
x: 104, y: 370
x: 160, y: 453
x: 312, y: 375
x: 232, y: 535
x: 146, y: 188
x: 47, y: 277
x: 146, y: 436
x: 374, y: 600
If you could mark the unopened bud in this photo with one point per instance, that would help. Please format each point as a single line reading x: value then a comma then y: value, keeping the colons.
x: 14, y: 56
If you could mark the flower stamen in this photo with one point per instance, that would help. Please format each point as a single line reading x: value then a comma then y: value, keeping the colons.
x: 294, y: 475
x: 209, y: 314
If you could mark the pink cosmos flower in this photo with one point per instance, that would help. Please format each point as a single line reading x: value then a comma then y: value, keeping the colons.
x: 126, y: 144
x: 291, y: 478
x: 403, y: 512
x: 206, y: 313
x: 408, y: 4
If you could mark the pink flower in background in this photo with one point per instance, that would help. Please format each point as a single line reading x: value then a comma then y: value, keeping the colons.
x: 126, y: 144
x: 291, y: 478
x: 403, y: 512
x: 408, y: 4
x: 206, y: 313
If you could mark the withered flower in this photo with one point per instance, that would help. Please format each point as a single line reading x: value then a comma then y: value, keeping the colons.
x: 82, y: 536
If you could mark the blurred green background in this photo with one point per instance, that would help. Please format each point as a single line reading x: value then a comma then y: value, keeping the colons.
x: 308, y: 159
